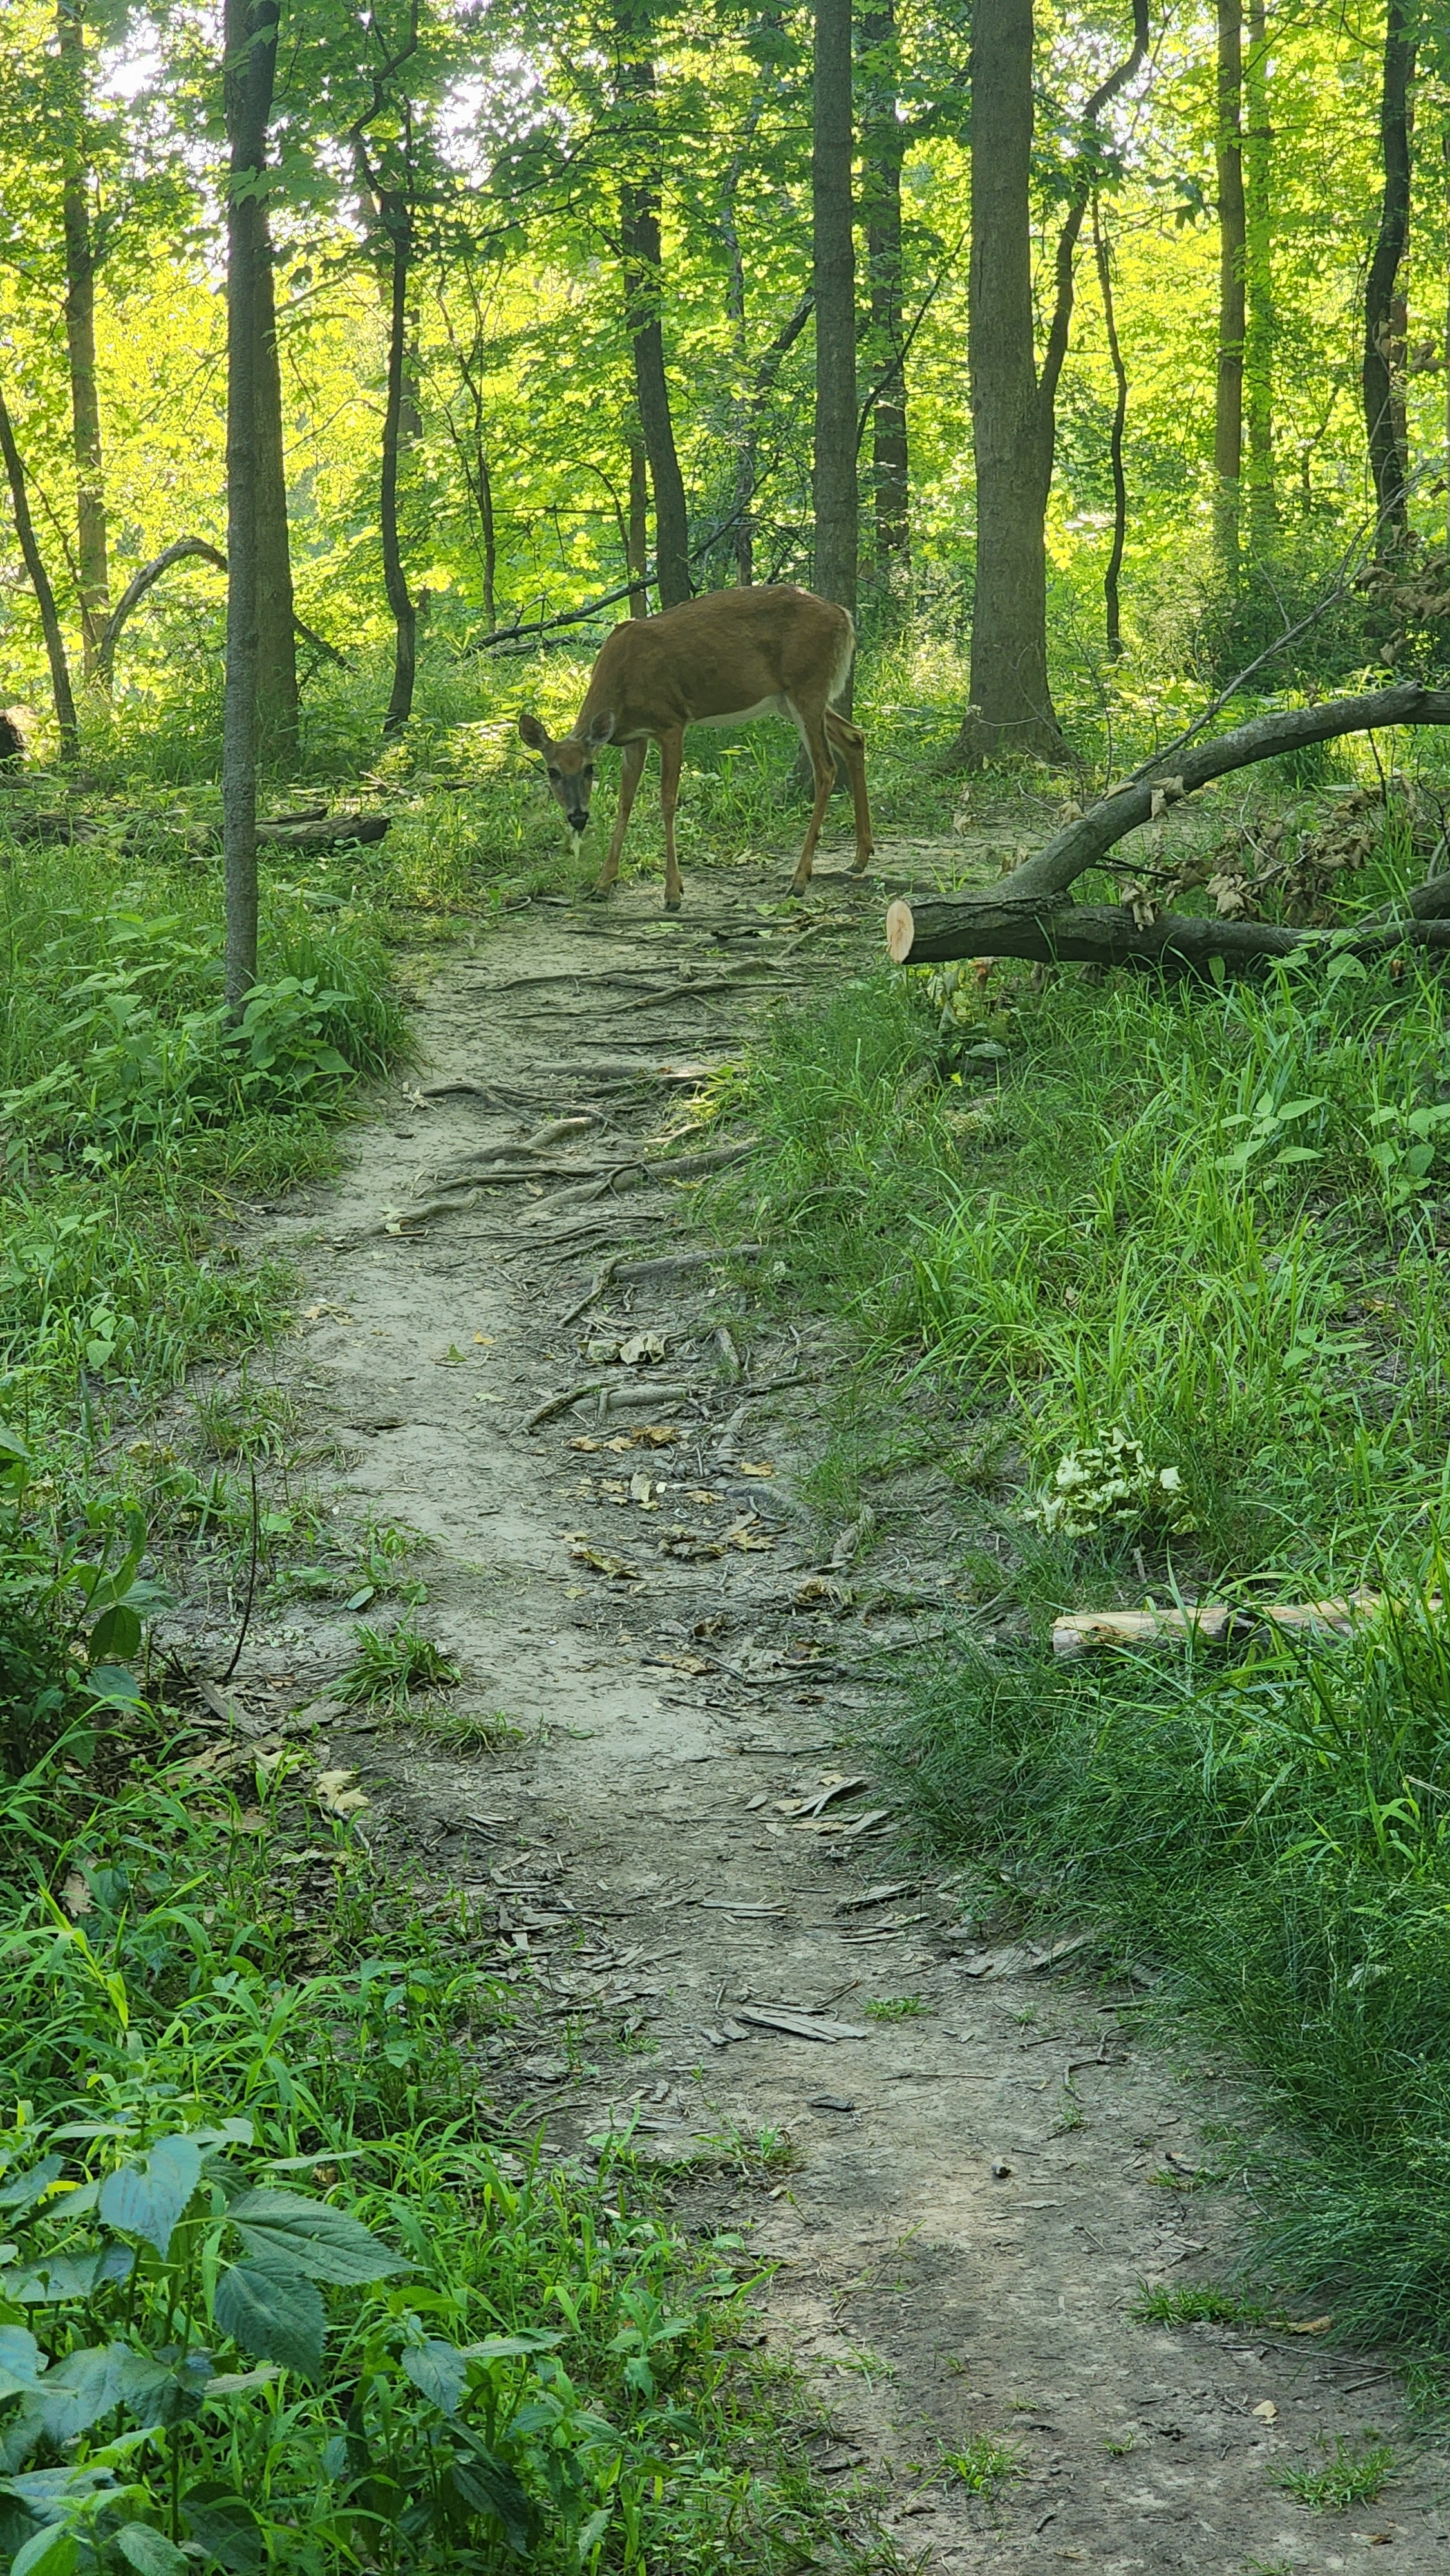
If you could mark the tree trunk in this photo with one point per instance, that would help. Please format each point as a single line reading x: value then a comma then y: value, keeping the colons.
x: 65, y: 705
x: 1383, y: 400
x: 1228, y: 414
x: 250, y: 41
x: 883, y: 148
x: 80, y: 336
x: 643, y: 296
x: 278, y: 731
x: 1259, y: 279
x: 1115, y: 439
x: 637, y: 533
x: 834, y: 566
x: 397, y: 221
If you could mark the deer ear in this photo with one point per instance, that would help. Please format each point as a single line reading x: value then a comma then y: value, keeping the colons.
x: 533, y: 733
x: 601, y: 729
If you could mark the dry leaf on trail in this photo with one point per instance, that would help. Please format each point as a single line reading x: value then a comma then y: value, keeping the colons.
x: 640, y: 1349
x: 641, y: 1491
x: 76, y: 1897
x: 337, y: 1314
x: 1311, y: 2325
x: 693, y: 1545
x: 616, y: 1567
x: 1267, y: 2411
x: 846, y: 1826
x: 600, y: 1353
x: 656, y: 1435
x: 755, y: 1467
x: 749, y: 1537
x: 334, y: 1795
x: 816, y: 1591
x: 691, y: 1664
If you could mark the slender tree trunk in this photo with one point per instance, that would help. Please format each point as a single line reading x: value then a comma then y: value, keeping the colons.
x: 80, y: 336
x: 1445, y: 158
x: 643, y: 296
x: 1011, y: 709
x: 278, y: 730
x: 1259, y: 278
x: 250, y: 41
x: 1383, y: 312
x: 397, y: 222
x: 834, y: 570
x: 1228, y: 414
x: 65, y: 706
x: 1115, y: 438
x: 883, y: 149
x: 637, y: 534
x: 490, y: 538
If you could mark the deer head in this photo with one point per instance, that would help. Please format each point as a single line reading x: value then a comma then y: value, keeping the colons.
x: 570, y: 763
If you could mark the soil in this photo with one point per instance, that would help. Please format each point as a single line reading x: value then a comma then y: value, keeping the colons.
x: 958, y: 2185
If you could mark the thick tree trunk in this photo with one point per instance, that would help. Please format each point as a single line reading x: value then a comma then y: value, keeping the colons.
x: 1033, y: 902
x: 1383, y: 313
x: 1111, y: 601
x: 643, y: 296
x: 80, y: 336
x: 1228, y: 410
x: 1011, y: 708
x: 637, y: 531
x: 278, y: 733
x: 397, y: 222
x: 1259, y: 278
x: 250, y: 41
x: 883, y: 149
x: 834, y: 563
x: 65, y: 705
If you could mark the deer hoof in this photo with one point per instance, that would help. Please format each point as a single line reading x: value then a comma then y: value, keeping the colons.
x: 674, y: 903
x: 600, y: 893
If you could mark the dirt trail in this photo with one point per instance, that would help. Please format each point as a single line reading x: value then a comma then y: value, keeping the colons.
x: 976, y: 2189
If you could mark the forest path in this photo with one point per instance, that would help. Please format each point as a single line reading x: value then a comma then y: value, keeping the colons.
x: 976, y: 2188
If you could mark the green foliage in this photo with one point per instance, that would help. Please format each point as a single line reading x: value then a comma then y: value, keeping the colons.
x: 985, y: 2465
x: 390, y: 1664
x: 1353, y: 2473
x: 1196, y: 2303
x: 895, y: 2008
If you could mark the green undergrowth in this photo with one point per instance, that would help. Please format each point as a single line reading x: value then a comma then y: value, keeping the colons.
x: 1157, y: 1279
x: 274, y: 2291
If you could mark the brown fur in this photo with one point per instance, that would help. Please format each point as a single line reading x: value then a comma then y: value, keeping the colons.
x: 714, y: 657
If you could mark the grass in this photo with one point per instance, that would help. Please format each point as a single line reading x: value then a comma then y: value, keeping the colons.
x: 1159, y: 1276
x: 1353, y: 2473
x: 895, y: 2008
x: 1197, y: 2303
x: 391, y: 1664
x: 985, y: 2465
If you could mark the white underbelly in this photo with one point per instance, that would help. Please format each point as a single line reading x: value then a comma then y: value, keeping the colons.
x: 772, y: 706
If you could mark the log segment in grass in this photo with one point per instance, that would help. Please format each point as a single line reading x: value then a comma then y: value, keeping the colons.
x: 1030, y: 913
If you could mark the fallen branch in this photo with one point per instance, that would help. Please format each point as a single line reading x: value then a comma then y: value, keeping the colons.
x: 1090, y: 934
x: 1031, y: 900
x: 1214, y: 1623
x: 328, y: 832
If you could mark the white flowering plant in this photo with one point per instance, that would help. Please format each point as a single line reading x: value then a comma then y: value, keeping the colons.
x: 1111, y: 1485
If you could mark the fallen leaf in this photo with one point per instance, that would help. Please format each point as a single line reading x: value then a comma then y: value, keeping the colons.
x: 817, y: 1590
x: 334, y: 1795
x: 749, y: 1537
x: 640, y: 1349
x: 339, y: 1314
x: 1267, y: 2411
x: 1311, y: 2325
x: 755, y: 1467
x: 487, y: 1339
x: 641, y: 1490
x: 656, y: 1435
x: 691, y: 1664
x: 76, y: 1897
x: 616, y: 1567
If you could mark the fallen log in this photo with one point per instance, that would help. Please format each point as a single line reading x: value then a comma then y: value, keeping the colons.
x: 329, y: 832
x: 1029, y: 904
x: 1101, y: 934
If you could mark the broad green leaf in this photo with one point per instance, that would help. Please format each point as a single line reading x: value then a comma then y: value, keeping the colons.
x: 487, y: 2485
x: 148, y: 2200
x: 311, y: 2236
x: 67, y: 2276
x: 21, y: 2361
x: 439, y: 2371
x: 275, y: 2314
x: 28, y: 2188
x: 78, y: 2391
x: 510, y: 2347
x: 117, y: 1633
x: 226, y: 2527
x: 150, y: 2552
x: 48, y: 2553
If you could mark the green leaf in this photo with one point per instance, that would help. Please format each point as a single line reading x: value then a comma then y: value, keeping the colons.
x: 20, y: 2362
x: 148, y: 2200
x: 28, y: 2188
x: 486, y: 2485
x: 68, y: 2276
x: 150, y: 2552
x: 276, y: 2315
x: 116, y: 1632
x: 51, y: 2552
x: 226, y: 2527
x: 439, y: 2371
x: 311, y: 2236
x: 79, y: 2391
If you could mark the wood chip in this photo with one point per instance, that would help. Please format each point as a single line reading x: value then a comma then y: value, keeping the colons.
x: 885, y: 1895
x: 798, y: 2025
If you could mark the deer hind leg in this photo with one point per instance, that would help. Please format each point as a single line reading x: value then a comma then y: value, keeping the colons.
x: 631, y: 769
x: 823, y: 770
x: 850, y: 742
x: 672, y: 747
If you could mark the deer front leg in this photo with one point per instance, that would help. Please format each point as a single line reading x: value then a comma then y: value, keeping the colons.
x: 672, y: 746
x: 631, y: 769
x: 850, y: 741
x: 823, y: 770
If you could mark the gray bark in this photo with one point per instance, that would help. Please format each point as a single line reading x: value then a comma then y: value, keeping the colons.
x: 1383, y: 314
x: 250, y: 41
x: 834, y: 571
x: 61, y: 691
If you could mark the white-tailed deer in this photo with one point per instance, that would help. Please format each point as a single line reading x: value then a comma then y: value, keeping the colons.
x: 721, y: 660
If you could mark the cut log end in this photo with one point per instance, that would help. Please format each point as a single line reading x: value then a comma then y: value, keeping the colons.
x: 900, y: 932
